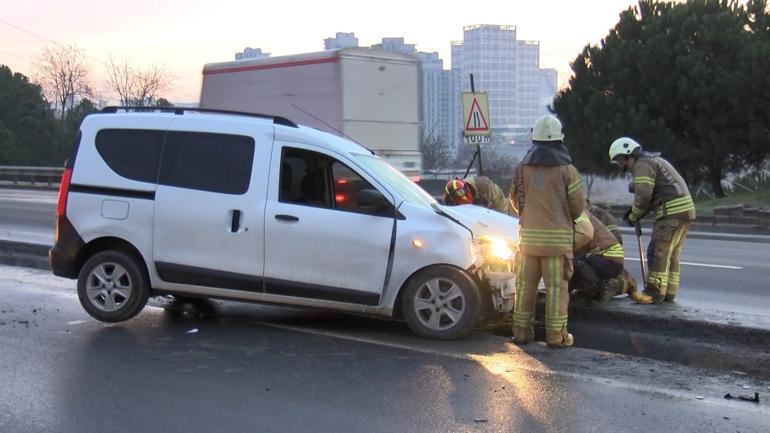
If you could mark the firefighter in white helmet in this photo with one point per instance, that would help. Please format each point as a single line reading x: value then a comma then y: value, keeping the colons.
x: 660, y: 189
x: 547, y: 195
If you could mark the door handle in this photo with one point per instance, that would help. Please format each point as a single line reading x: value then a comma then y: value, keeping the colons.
x: 235, y: 224
x: 289, y: 218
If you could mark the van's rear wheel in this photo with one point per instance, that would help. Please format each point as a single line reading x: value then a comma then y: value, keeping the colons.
x: 441, y: 302
x: 112, y: 286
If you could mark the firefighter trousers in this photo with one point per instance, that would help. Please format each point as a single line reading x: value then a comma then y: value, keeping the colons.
x: 663, y: 253
x: 555, y: 272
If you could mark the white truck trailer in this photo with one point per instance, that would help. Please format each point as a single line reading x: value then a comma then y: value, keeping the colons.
x: 370, y: 96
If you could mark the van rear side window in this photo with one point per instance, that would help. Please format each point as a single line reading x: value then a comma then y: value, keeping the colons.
x: 208, y: 162
x: 131, y: 153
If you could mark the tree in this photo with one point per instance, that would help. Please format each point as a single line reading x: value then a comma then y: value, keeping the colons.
x: 63, y: 73
x: 29, y: 133
x: 140, y: 87
x: 688, y: 79
x: 435, y: 153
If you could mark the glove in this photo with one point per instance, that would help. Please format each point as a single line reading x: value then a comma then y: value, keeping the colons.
x: 627, y: 218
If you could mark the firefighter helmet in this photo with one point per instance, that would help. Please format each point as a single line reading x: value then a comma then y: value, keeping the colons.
x: 623, y: 146
x: 547, y: 128
x: 457, y: 192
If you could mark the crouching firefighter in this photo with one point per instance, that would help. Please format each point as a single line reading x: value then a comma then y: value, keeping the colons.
x: 599, y: 274
x: 659, y: 188
x: 547, y: 195
x: 478, y: 190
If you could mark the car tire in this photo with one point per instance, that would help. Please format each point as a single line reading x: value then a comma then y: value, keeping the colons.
x: 112, y: 286
x: 441, y: 302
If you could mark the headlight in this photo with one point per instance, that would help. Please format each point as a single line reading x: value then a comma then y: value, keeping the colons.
x: 496, y: 248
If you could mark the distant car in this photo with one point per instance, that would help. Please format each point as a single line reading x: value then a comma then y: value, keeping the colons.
x: 256, y: 208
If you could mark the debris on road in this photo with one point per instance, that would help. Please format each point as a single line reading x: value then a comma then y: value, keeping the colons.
x: 754, y: 399
x: 193, y: 331
x: 479, y: 420
x: 699, y: 397
x: 76, y: 322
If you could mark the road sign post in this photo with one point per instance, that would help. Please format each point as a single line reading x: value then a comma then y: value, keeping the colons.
x: 475, y: 123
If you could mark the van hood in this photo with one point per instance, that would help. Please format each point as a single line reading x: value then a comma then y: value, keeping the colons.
x: 484, y: 222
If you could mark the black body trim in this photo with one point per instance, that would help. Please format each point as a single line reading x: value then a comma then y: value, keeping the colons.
x: 182, y: 274
x: 116, y: 192
x: 325, y: 293
x: 63, y: 256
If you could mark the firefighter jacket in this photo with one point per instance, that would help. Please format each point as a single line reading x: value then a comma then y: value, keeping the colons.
x: 658, y: 187
x: 608, y: 220
x: 602, y: 241
x: 547, y: 195
x: 486, y: 193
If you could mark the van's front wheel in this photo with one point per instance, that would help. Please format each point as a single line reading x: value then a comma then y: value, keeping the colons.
x: 112, y: 286
x: 441, y: 302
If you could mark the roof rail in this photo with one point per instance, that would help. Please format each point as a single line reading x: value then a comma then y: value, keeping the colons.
x: 278, y: 120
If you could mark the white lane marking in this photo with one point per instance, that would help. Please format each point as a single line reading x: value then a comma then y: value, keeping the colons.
x: 510, y: 365
x: 703, y: 265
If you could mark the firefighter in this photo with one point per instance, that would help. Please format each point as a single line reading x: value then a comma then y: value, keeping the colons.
x: 547, y: 195
x: 598, y: 262
x: 478, y: 190
x: 657, y: 188
x: 606, y: 218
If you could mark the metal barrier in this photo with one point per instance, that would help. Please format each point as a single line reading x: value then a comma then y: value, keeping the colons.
x: 31, y: 175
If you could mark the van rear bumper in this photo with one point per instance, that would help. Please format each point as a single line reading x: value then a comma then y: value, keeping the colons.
x: 64, y: 255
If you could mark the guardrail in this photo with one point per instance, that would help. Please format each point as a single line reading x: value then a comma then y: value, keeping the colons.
x: 31, y: 175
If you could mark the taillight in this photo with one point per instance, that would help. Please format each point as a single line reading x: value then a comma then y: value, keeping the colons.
x: 64, y: 189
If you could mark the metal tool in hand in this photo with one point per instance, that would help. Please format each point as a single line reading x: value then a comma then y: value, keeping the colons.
x: 642, y: 256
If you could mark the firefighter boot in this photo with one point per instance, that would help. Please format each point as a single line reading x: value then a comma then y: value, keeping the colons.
x: 559, y: 339
x: 610, y: 289
x: 522, y: 336
x: 647, y: 298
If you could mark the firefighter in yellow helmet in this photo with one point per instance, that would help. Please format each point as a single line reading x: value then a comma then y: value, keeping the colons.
x: 547, y: 195
x: 478, y: 190
x: 658, y: 188
x: 599, y: 274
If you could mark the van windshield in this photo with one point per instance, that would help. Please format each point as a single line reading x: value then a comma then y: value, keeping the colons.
x: 410, y: 192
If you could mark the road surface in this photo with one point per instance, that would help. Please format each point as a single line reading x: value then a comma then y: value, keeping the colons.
x: 229, y: 367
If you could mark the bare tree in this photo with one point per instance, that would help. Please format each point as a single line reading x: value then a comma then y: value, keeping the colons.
x: 140, y: 87
x: 63, y: 73
x: 119, y: 78
x: 435, y: 153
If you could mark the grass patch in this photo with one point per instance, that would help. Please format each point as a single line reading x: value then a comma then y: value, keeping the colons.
x: 759, y: 198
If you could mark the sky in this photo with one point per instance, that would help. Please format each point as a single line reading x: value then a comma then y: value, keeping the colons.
x: 183, y: 35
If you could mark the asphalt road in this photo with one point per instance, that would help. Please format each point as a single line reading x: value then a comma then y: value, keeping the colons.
x: 719, y: 275
x: 229, y: 367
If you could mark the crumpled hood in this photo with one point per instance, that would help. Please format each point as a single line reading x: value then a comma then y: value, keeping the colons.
x: 483, y: 221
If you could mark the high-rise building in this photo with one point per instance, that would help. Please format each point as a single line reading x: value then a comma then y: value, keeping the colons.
x: 341, y: 40
x: 507, y: 69
x: 251, y: 53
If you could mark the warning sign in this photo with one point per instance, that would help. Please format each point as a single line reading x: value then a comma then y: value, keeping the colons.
x: 475, y: 118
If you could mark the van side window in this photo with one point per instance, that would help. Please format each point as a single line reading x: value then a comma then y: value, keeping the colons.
x: 131, y: 153
x: 314, y: 179
x: 208, y: 162
x: 347, y: 189
x: 304, y: 178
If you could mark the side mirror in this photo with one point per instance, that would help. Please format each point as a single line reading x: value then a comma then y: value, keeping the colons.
x: 372, y: 198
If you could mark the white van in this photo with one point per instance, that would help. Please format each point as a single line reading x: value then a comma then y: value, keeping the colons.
x: 254, y: 208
